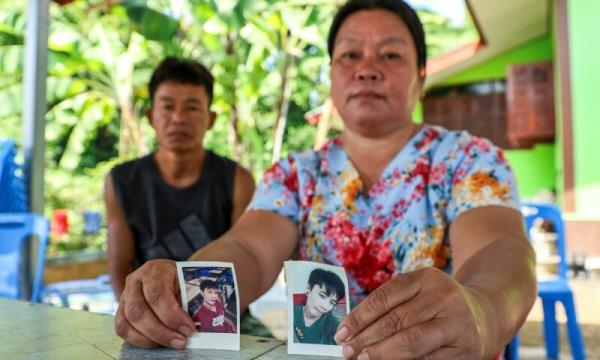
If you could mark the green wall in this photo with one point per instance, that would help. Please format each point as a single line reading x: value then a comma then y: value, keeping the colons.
x: 584, y: 27
x: 534, y: 51
x: 535, y: 168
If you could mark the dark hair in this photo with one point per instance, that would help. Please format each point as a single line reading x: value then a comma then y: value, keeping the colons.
x: 398, y: 7
x: 181, y: 71
x: 208, y: 284
x: 329, y: 280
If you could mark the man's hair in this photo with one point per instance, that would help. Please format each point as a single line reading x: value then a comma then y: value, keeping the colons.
x: 208, y: 284
x: 327, y: 280
x: 181, y: 71
x: 398, y: 7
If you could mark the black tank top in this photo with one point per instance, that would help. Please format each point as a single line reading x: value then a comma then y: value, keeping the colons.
x: 172, y: 223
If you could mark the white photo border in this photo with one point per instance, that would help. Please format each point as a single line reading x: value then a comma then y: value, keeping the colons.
x: 291, y: 267
x: 206, y: 340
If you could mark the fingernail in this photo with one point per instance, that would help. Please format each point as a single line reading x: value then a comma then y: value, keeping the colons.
x: 347, y: 351
x: 363, y: 356
x: 186, y: 330
x: 341, y: 334
x: 177, y: 343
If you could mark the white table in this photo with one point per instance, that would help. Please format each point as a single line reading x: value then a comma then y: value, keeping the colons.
x: 38, y: 331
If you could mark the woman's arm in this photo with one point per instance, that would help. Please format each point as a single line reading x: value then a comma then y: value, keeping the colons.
x: 149, y: 314
x: 495, y: 262
x: 428, y: 314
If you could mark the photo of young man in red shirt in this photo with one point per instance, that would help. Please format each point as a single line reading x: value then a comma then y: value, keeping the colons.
x: 211, y: 316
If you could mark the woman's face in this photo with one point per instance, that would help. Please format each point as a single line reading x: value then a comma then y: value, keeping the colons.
x: 374, y: 78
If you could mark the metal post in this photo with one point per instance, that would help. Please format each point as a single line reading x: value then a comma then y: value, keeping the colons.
x: 34, y: 100
x: 34, y: 116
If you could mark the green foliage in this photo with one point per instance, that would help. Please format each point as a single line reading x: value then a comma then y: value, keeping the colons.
x: 76, y: 191
x: 442, y: 36
x: 264, y: 54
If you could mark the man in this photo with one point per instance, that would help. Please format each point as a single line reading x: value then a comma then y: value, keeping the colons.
x: 314, y: 322
x: 425, y: 221
x: 170, y: 203
x: 210, y: 317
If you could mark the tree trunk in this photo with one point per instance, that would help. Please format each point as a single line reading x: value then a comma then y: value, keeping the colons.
x: 324, y: 124
x: 284, y: 104
x: 232, y: 128
x: 131, y: 143
x: 234, y: 136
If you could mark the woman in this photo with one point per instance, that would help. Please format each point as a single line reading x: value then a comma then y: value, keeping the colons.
x: 424, y: 220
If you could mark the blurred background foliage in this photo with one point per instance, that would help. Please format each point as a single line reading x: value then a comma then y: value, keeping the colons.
x: 269, y: 59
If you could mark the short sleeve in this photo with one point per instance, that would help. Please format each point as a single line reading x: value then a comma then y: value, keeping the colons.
x: 278, y: 190
x: 482, y: 177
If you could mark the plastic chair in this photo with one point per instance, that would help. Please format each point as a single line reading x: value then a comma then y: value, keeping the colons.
x: 15, y: 229
x: 94, y: 295
x: 13, y: 195
x: 554, y: 290
x: 92, y: 221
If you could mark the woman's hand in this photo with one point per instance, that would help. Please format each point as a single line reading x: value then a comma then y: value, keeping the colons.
x: 423, y: 314
x: 149, y: 314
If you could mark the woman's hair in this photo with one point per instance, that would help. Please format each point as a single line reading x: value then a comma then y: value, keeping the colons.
x: 398, y: 7
x: 327, y: 280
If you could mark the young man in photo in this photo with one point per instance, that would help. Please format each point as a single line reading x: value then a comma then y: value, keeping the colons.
x: 314, y: 321
x: 211, y: 317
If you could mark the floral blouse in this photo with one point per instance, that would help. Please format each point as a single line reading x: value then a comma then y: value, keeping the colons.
x: 401, y: 224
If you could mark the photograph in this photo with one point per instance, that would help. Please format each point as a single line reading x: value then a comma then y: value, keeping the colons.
x: 317, y: 302
x: 209, y: 295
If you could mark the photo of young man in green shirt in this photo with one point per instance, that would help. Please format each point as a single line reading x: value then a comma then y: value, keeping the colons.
x: 315, y: 321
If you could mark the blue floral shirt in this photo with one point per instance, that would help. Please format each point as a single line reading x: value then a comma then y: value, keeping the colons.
x: 401, y: 224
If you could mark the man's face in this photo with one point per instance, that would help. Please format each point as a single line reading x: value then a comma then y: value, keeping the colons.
x: 318, y: 302
x: 180, y: 115
x: 374, y: 78
x: 211, y: 295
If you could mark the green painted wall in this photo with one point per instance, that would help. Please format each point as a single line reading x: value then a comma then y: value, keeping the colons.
x: 534, y: 169
x: 558, y: 113
x: 584, y: 27
x: 536, y: 50
x: 417, y: 114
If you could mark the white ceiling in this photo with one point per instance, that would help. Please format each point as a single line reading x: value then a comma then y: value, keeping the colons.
x: 505, y: 24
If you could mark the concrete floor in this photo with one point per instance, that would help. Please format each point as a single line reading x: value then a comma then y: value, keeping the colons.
x: 587, y: 299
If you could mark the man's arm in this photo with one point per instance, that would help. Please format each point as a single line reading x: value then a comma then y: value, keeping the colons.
x: 121, y: 243
x: 149, y: 313
x: 426, y: 313
x: 243, y: 189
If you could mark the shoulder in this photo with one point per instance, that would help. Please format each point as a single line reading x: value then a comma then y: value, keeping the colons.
x: 297, y: 311
x: 131, y: 167
x: 216, y: 159
x: 243, y: 177
x: 306, y: 162
x: 456, y: 146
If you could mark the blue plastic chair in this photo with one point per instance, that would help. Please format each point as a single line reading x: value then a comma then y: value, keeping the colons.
x: 92, y: 221
x: 553, y: 290
x: 15, y: 230
x: 80, y: 294
x: 13, y: 194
